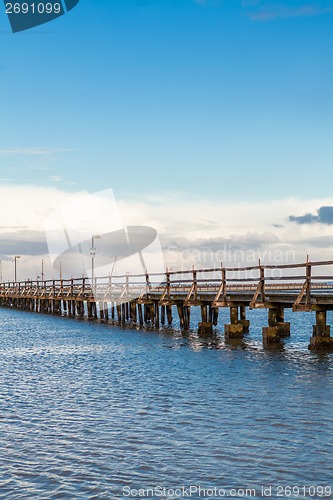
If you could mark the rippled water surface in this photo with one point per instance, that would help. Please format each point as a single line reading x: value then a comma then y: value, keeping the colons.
x: 88, y: 409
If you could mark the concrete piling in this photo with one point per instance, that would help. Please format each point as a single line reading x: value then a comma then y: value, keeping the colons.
x: 277, y: 327
x: 321, y: 338
x: 235, y: 329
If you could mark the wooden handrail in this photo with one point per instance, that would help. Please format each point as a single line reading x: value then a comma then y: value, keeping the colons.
x: 195, y: 277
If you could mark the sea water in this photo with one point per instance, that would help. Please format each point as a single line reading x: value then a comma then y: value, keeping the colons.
x: 89, y: 410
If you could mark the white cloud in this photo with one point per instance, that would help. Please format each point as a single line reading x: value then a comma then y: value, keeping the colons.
x: 31, y: 151
x: 192, y: 230
x: 21, y: 151
x: 29, y: 206
x: 198, y: 228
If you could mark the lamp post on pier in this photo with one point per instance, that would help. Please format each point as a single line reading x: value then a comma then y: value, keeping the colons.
x: 93, y: 253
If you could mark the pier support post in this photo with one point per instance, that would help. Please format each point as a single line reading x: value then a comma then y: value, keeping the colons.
x: 163, y: 315
x: 284, y: 327
x: 205, y: 328
x: 270, y: 333
x: 106, y: 312
x: 235, y: 329
x: 243, y: 321
x: 234, y: 315
x: 215, y: 315
x: 89, y: 307
x: 133, y: 312
x: 169, y: 314
x: 321, y: 338
x: 56, y: 308
x: 94, y: 307
x: 156, y: 315
x: 210, y: 313
x: 80, y: 308
x: 101, y: 311
x: 277, y: 327
x: 124, y: 312
x: 180, y: 310
x: 140, y: 314
x: 146, y: 312
x: 272, y: 315
x: 187, y: 315
x: 119, y: 313
x: 204, y: 313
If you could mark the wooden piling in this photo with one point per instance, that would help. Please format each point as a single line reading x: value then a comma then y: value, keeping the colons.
x: 101, y: 311
x: 180, y: 311
x: 145, y: 313
x: 106, y: 311
x: 204, y: 313
x: 119, y: 313
x: 169, y: 314
x: 156, y: 315
x: 163, y: 315
x: 140, y: 314
x: 90, y: 312
x: 188, y: 316
x: 215, y: 315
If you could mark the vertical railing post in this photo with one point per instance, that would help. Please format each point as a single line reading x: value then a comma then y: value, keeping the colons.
x: 147, y: 283
x: 262, y: 282
x: 168, y: 283
x: 224, y: 284
x: 195, y: 284
x: 308, y: 281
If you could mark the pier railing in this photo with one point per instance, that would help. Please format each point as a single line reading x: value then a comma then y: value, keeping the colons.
x: 218, y: 284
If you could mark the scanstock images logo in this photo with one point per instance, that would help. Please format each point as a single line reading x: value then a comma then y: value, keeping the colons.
x: 24, y: 15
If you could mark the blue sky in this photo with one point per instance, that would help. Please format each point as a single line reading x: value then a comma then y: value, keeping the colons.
x: 205, y: 97
x: 211, y: 120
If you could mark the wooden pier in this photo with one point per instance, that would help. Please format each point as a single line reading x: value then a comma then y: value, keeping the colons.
x: 152, y: 299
